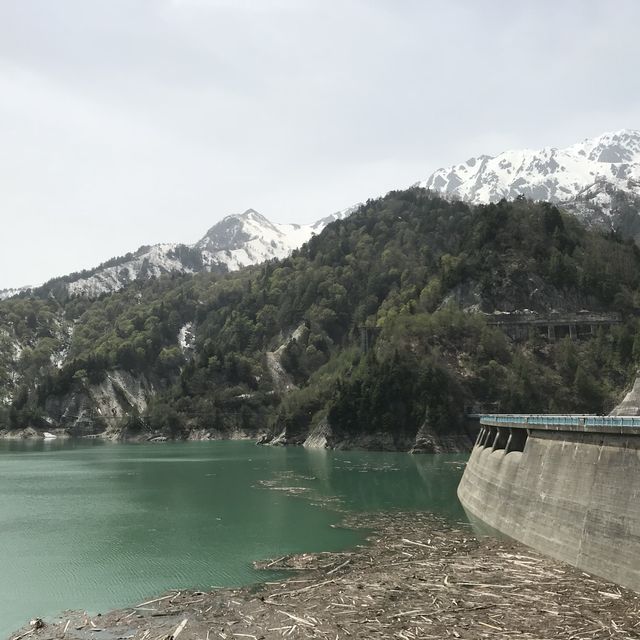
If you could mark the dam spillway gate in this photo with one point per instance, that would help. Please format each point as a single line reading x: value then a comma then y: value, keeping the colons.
x: 567, y: 485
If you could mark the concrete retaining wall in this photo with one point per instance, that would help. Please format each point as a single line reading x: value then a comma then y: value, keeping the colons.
x: 572, y: 495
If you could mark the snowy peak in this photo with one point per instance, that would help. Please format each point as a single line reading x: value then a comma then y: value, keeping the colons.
x: 237, y: 241
x: 251, y: 216
x: 556, y: 175
x: 229, y: 233
x: 233, y: 231
x: 618, y: 147
x: 248, y: 238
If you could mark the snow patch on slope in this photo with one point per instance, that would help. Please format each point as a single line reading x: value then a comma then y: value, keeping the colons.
x: 9, y: 293
x: 236, y: 241
x: 186, y: 337
x: 555, y: 175
x: 157, y: 261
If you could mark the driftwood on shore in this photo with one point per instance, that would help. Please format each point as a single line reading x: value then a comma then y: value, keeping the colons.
x: 417, y: 578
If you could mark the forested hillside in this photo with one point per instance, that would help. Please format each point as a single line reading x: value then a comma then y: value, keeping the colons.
x: 376, y: 326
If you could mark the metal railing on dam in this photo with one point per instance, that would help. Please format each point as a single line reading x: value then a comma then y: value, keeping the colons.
x: 559, y: 421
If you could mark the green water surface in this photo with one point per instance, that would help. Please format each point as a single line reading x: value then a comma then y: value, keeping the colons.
x: 92, y: 525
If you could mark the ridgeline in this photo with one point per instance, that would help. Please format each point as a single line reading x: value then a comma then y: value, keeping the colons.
x: 375, y: 333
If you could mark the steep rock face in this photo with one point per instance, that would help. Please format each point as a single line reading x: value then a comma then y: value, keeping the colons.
x: 94, y: 407
x: 586, y: 171
x: 604, y: 205
x: 516, y: 292
x: 20, y: 355
x: 319, y: 436
x: 428, y: 440
x: 282, y: 381
x: 376, y: 441
x: 630, y: 405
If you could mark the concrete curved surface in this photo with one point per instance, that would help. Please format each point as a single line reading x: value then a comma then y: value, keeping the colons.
x: 572, y: 495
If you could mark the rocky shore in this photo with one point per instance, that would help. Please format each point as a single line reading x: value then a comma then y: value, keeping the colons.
x: 425, y: 441
x: 29, y: 433
x: 117, y: 435
x: 418, y: 577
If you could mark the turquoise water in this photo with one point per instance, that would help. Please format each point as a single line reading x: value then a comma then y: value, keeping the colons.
x: 91, y: 525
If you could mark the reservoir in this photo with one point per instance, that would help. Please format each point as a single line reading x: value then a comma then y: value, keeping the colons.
x: 92, y: 525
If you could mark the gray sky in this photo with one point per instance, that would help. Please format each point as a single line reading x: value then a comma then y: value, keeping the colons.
x: 129, y: 122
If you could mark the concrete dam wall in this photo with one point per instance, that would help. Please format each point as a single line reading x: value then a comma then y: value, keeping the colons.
x: 568, y: 486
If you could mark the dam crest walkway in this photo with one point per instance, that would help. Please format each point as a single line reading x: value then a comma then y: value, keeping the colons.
x: 563, y: 422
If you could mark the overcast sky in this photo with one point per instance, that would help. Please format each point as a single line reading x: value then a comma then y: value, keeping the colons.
x: 129, y: 122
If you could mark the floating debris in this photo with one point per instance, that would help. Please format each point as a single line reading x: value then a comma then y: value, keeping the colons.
x: 419, y: 577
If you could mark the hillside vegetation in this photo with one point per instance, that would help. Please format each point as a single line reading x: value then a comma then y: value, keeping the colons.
x: 376, y: 325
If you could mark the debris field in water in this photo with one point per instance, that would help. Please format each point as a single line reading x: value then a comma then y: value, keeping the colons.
x: 418, y: 577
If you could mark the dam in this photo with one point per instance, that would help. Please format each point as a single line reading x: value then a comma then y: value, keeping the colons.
x: 566, y: 485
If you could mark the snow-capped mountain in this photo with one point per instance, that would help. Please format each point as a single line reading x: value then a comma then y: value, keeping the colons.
x: 236, y: 241
x: 591, y: 171
x: 249, y: 238
x: 147, y: 262
x: 597, y: 179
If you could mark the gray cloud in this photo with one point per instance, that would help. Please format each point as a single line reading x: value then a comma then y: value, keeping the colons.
x: 136, y: 121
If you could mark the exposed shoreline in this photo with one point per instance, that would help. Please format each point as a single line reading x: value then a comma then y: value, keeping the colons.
x: 29, y: 434
x: 458, y: 442
x: 418, y: 577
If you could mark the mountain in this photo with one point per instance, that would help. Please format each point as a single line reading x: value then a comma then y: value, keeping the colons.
x: 587, y: 177
x: 378, y: 333
x: 598, y: 180
x: 249, y: 238
x: 236, y: 241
